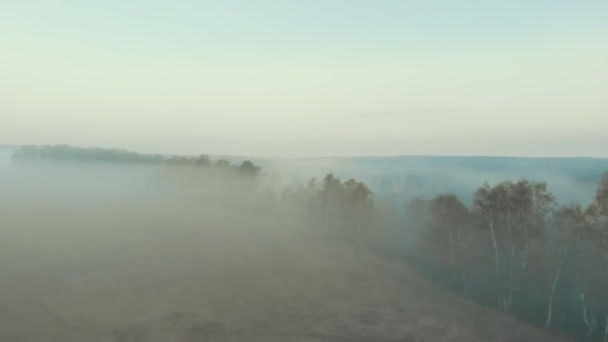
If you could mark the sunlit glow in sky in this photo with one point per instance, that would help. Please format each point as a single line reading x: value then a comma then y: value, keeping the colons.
x: 308, y: 78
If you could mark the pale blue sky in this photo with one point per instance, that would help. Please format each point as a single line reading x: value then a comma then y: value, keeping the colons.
x: 308, y: 78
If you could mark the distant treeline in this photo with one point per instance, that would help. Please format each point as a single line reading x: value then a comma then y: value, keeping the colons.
x: 95, y: 154
x: 339, y: 208
x: 515, y: 248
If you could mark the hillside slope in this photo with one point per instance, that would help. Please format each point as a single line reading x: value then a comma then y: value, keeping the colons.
x: 124, y: 254
x: 228, y: 285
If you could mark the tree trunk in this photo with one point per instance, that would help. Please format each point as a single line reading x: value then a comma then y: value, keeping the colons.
x: 606, y: 329
x: 584, y: 309
x: 498, y: 290
x: 460, y: 261
x: 451, y: 248
x: 511, y: 261
x: 327, y: 219
x: 589, y: 323
x: 360, y: 226
x: 550, y: 306
x: 524, y: 253
x: 359, y: 235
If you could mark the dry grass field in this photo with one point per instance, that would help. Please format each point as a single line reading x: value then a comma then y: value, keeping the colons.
x: 84, y: 264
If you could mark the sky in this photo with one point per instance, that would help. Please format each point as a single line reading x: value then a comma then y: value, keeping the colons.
x: 308, y: 78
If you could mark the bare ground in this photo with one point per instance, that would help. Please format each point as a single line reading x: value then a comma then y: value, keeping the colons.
x: 79, y: 267
x: 226, y: 284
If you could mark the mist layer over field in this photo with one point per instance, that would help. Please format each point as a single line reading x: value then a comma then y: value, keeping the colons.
x: 99, y: 251
x: 90, y: 251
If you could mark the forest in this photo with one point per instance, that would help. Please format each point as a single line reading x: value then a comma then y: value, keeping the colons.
x: 515, y: 248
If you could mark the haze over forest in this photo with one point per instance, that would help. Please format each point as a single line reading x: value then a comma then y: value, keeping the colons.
x: 303, y: 171
x: 111, y: 245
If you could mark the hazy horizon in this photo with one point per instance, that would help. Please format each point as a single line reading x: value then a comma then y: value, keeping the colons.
x: 287, y: 170
x: 309, y: 156
x: 285, y: 78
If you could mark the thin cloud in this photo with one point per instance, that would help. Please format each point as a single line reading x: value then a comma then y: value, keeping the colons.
x: 412, y: 112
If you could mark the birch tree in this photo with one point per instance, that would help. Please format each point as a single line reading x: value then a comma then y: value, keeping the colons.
x: 567, y: 223
x: 448, y: 217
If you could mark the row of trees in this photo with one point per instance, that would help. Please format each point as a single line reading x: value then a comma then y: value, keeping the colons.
x: 517, y: 247
x: 339, y: 208
x: 79, y: 154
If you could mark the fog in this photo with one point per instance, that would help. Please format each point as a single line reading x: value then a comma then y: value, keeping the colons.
x: 104, y: 251
x: 400, y: 179
x: 124, y: 251
x: 92, y: 250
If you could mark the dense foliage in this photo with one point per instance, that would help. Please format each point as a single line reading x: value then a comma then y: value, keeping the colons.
x: 521, y: 251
